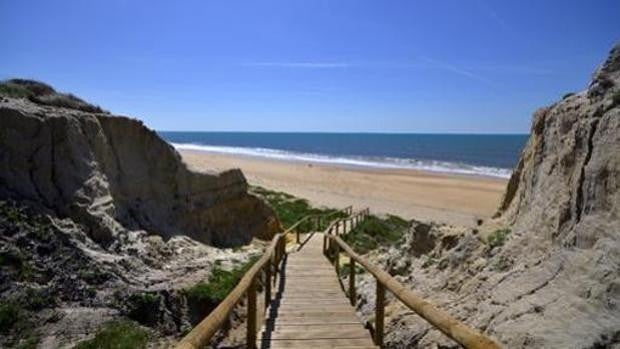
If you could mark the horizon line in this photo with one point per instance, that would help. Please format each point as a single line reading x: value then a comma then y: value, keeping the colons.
x: 365, y: 132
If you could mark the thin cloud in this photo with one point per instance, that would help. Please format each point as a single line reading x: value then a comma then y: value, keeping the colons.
x: 454, y: 69
x: 304, y: 65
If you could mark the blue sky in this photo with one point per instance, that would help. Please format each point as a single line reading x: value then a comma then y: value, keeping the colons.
x: 468, y: 66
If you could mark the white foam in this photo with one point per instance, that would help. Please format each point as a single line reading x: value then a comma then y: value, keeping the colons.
x: 371, y: 162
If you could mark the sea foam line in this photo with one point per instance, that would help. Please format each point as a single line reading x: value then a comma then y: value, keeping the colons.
x: 385, y: 162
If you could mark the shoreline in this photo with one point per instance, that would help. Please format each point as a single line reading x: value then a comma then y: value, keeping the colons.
x: 456, y: 199
x: 355, y: 162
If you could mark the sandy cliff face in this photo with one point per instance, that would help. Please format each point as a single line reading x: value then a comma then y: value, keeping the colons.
x: 112, y: 173
x: 566, y: 185
x: 100, y: 220
x: 546, y: 272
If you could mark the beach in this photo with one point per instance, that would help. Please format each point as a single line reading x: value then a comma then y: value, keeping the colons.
x: 412, y: 194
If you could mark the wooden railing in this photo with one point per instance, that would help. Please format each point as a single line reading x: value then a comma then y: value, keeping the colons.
x: 202, y: 333
x: 458, y: 331
x: 316, y: 219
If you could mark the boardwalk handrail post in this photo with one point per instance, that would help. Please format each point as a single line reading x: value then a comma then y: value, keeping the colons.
x: 379, y: 313
x: 352, y: 295
x: 251, y: 326
x: 267, y: 271
x: 337, y: 259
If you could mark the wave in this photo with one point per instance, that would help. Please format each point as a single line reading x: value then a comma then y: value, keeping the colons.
x: 357, y: 161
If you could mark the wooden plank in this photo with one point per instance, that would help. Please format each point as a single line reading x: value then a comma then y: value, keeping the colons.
x: 316, y: 327
x: 334, y: 333
x: 322, y: 343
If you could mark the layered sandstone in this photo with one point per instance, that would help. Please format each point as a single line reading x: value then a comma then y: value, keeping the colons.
x: 112, y: 173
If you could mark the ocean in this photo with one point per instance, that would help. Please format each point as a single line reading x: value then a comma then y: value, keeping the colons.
x: 485, y: 155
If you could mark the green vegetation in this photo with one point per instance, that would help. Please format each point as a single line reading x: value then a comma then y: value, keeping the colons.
x: 41, y: 93
x: 145, y: 298
x: 30, y: 342
x: 9, y: 314
x: 36, y: 299
x: 345, y: 269
x: 570, y: 94
x: 374, y: 232
x: 13, y: 320
x: 429, y: 262
x: 117, y: 335
x: 291, y: 209
x: 615, y: 98
x: 220, y: 283
x: 498, y: 237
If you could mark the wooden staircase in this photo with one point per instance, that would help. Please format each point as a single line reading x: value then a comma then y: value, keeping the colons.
x: 309, y: 309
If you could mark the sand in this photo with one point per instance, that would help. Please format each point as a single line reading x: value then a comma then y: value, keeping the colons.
x: 426, y: 196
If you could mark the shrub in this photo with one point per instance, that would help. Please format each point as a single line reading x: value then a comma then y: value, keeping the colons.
x: 570, y: 94
x: 346, y: 269
x: 498, y: 237
x: 9, y: 315
x: 220, y: 283
x: 30, y: 342
x: 117, y: 335
x: 373, y: 232
x: 615, y: 99
x: 291, y: 209
x: 40, y: 93
x: 429, y: 262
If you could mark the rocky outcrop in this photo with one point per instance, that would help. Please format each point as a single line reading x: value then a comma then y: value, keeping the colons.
x: 546, y: 272
x: 112, y: 173
x: 100, y: 219
x: 567, y: 183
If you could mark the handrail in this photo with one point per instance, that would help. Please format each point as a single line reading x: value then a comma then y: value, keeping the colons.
x: 348, y: 210
x: 453, y: 328
x: 202, y: 333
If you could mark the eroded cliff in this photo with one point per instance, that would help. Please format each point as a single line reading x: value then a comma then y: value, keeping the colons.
x: 112, y: 173
x: 545, y: 273
x: 100, y: 220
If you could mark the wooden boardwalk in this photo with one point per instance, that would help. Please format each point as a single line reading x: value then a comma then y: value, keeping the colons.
x: 309, y: 308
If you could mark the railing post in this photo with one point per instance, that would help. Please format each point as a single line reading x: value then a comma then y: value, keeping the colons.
x: 251, y: 327
x: 352, y: 295
x: 267, y: 285
x: 275, y: 265
x: 379, y: 313
x: 324, y: 244
x: 337, y: 259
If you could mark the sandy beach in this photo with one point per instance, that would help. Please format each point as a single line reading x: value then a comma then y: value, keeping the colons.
x: 428, y: 196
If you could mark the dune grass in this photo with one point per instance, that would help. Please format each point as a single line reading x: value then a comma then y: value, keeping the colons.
x: 291, y: 209
x: 120, y: 334
x: 44, y: 94
x: 498, y: 237
x: 220, y: 283
x: 375, y: 231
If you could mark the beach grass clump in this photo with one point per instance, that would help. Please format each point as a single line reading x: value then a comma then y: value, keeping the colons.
x: 615, y: 99
x: 375, y: 231
x: 120, y: 334
x: 41, y: 93
x: 220, y: 283
x: 567, y: 95
x: 10, y: 313
x: 291, y: 209
x: 345, y: 269
x: 498, y: 237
